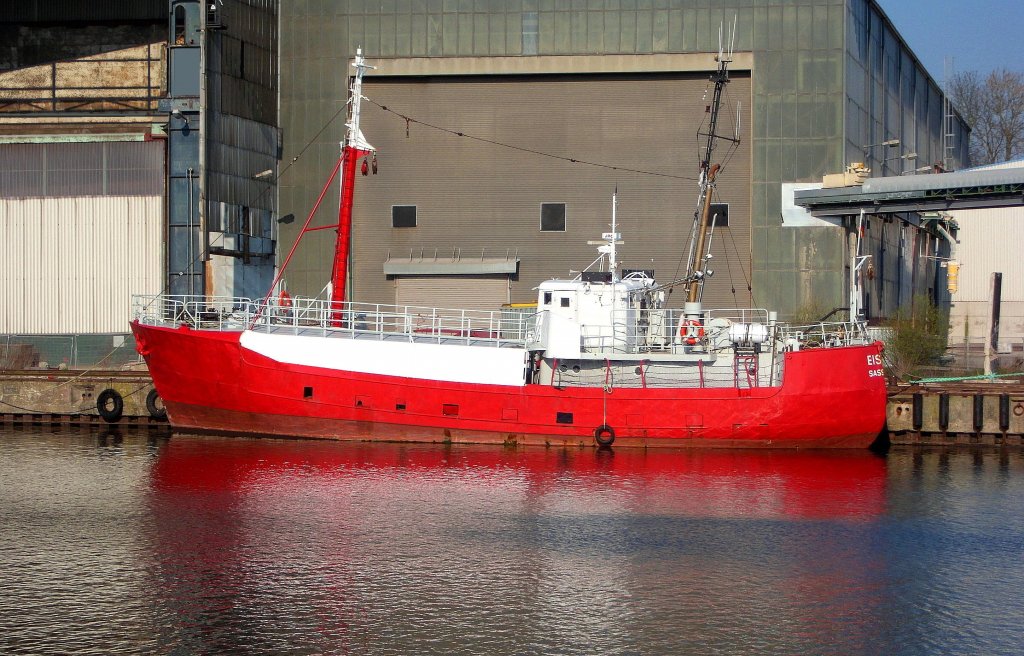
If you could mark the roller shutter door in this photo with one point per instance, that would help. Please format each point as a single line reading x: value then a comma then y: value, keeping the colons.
x: 469, y: 292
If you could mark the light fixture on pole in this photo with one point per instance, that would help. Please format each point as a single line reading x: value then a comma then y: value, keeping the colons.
x: 889, y: 143
x: 908, y: 156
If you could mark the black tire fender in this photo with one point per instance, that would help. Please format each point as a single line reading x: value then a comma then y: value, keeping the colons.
x: 110, y: 405
x: 155, y: 411
x: 604, y: 435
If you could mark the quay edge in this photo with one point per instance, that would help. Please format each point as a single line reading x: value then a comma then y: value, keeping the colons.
x: 956, y: 413
x: 931, y: 414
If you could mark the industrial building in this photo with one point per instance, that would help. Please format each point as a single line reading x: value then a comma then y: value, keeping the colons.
x: 138, y: 151
x: 509, y: 124
x: 177, y: 146
x: 988, y: 242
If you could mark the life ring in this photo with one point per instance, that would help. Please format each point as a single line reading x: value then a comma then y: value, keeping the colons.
x: 691, y: 331
x: 155, y: 411
x: 110, y: 405
x: 604, y: 435
x: 285, y: 300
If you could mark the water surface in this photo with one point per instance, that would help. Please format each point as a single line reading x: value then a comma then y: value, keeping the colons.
x: 135, y: 543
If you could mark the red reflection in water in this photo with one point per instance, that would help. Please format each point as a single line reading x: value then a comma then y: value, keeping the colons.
x: 344, y: 542
x: 733, y: 483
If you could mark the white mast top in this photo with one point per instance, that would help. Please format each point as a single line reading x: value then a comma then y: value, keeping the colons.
x: 612, y: 263
x: 606, y: 247
x: 354, y: 137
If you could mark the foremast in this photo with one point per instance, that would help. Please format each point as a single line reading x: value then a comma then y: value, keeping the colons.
x: 353, y: 147
x: 700, y: 246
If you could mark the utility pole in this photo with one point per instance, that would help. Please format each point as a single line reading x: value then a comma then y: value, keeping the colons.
x: 992, y: 339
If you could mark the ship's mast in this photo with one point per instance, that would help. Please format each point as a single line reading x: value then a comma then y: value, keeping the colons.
x: 699, y: 243
x: 352, y: 148
x: 614, y: 238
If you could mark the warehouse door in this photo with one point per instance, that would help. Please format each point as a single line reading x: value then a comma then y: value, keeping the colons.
x: 468, y: 292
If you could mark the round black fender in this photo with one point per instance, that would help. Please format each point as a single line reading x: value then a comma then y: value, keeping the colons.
x: 155, y: 405
x: 110, y: 405
x: 604, y: 435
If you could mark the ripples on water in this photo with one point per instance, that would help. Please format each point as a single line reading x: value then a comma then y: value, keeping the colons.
x: 140, y: 544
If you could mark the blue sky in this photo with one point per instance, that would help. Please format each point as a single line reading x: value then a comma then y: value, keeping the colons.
x: 980, y: 35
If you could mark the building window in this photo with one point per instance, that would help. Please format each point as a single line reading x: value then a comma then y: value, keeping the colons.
x: 720, y: 215
x: 565, y: 301
x: 403, y: 216
x: 531, y: 28
x: 179, y: 25
x: 547, y: 298
x: 552, y: 217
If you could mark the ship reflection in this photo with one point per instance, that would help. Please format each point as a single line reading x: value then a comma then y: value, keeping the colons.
x: 400, y: 545
x: 702, y: 483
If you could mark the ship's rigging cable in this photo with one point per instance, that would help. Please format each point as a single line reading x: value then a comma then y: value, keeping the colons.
x: 743, y: 270
x: 573, y: 160
x: 729, y: 260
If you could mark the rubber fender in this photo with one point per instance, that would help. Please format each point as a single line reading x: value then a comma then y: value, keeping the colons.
x: 110, y: 405
x: 604, y: 435
x: 155, y: 411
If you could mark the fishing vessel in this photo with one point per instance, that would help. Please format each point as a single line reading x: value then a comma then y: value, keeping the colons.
x: 601, y: 360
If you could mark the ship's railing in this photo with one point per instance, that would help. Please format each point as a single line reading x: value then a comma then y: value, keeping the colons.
x: 670, y: 330
x: 310, y: 316
x: 761, y: 370
x: 209, y: 312
x: 664, y: 329
x: 829, y: 334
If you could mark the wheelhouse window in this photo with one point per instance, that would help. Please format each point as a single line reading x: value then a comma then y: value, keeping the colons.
x: 720, y: 215
x: 403, y: 216
x: 552, y: 217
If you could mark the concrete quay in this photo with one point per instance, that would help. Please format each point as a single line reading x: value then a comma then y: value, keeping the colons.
x: 67, y: 397
x: 988, y: 413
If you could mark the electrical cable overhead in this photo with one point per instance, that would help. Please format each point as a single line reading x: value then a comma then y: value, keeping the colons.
x: 573, y: 160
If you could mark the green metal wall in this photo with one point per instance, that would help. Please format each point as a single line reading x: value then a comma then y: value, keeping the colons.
x: 804, y: 56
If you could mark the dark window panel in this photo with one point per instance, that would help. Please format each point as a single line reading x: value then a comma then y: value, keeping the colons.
x: 403, y: 216
x: 552, y: 217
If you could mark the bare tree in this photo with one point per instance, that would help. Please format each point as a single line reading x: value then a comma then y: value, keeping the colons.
x: 994, y: 108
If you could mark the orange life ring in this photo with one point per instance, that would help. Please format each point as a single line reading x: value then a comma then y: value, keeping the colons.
x: 691, y: 331
x: 285, y: 300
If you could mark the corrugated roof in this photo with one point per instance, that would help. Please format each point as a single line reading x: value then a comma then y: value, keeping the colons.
x: 968, y: 178
x: 919, y: 193
x: 1008, y: 164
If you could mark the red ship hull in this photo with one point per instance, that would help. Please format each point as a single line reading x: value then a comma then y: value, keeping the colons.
x: 210, y: 383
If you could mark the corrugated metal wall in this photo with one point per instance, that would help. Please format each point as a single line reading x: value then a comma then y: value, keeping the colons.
x: 242, y: 142
x: 239, y: 149
x: 243, y: 60
x: 991, y: 240
x: 114, y: 168
x: 485, y: 199
x: 70, y: 265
